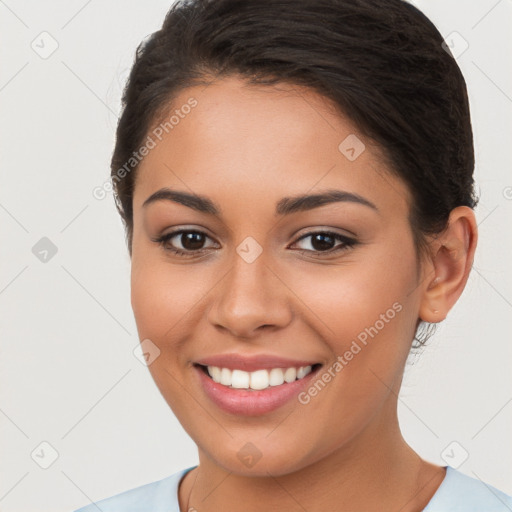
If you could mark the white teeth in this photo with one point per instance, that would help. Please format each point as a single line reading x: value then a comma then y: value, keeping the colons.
x: 290, y: 374
x: 303, y: 371
x: 240, y: 379
x: 214, y: 373
x: 276, y: 377
x: 258, y: 380
x: 225, y: 376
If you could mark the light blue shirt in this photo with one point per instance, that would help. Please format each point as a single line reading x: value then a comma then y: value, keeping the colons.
x: 457, y: 493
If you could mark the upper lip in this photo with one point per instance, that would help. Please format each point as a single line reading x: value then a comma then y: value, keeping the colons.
x: 252, y: 363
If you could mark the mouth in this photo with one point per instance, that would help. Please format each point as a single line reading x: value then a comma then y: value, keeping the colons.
x: 256, y: 380
x: 253, y: 393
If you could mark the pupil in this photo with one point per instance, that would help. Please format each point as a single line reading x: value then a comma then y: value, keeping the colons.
x: 322, y: 245
x: 192, y: 241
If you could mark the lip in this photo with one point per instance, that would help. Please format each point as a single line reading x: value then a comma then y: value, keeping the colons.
x: 252, y: 363
x: 252, y: 402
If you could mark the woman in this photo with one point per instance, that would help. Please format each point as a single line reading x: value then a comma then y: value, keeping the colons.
x: 296, y: 182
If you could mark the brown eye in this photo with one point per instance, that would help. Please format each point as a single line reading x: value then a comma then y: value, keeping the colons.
x: 325, y: 242
x: 183, y: 242
x: 322, y: 242
x: 191, y: 241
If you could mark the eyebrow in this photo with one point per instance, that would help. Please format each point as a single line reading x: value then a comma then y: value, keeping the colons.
x: 285, y: 206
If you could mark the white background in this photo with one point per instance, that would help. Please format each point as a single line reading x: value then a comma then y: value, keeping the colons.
x: 67, y: 372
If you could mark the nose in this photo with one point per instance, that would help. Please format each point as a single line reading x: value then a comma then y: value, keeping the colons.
x: 250, y: 298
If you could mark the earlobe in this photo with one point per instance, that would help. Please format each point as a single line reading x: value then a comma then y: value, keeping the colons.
x: 452, y: 258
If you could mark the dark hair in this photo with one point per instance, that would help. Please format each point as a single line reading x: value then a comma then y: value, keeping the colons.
x: 382, y: 63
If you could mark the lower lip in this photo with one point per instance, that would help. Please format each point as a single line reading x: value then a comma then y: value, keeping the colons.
x: 249, y: 402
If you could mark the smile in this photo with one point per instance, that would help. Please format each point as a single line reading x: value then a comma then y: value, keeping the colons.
x: 253, y: 391
x: 258, y: 380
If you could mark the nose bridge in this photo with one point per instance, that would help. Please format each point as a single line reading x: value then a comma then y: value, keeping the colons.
x: 248, y: 280
x: 250, y: 295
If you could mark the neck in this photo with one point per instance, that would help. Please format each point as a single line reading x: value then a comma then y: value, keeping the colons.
x: 377, y: 470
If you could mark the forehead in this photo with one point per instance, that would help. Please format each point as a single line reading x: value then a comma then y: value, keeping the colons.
x: 262, y: 142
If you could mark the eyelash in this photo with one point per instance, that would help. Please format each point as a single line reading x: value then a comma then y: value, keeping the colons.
x: 347, y: 242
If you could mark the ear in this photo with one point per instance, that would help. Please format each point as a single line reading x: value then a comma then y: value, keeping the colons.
x: 447, y: 272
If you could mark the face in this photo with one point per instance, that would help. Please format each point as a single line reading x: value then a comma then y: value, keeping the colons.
x: 266, y: 282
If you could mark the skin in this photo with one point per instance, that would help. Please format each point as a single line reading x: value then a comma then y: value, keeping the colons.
x: 246, y: 147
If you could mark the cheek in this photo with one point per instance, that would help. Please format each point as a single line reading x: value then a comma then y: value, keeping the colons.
x: 359, y: 297
x: 163, y: 305
x: 366, y: 315
x: 168, y: 301
x: 161, y: 299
